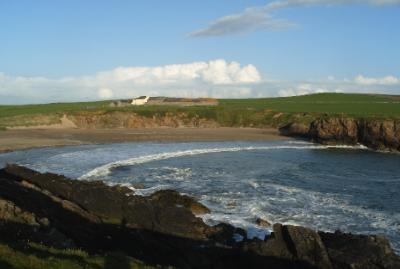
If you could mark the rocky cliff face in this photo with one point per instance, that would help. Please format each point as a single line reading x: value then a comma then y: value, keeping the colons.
x: 162, y: 229
x: 376, y: 134
x: 102, y: 120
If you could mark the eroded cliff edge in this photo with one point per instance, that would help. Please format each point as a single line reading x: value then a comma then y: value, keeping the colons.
x: 164, y: 228
x: 373, y: 133
x: 377, y: 134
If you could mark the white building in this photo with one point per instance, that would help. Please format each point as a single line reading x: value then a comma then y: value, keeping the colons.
x: 140, y: 100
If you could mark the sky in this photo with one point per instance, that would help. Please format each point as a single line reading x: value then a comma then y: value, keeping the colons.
x: 59, y: 51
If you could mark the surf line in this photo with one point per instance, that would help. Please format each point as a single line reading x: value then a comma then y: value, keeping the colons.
x: 106, y: 169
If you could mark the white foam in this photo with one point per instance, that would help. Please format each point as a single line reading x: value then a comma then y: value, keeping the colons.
x: 173, y: 173
x: 253, y: 184
x: 104, y: 170
x: 300, y: 207
x: 253, y: 230
x: 238, y: 237
x: 148, y: 191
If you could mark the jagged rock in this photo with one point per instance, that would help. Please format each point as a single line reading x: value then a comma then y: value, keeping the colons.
x: 10, y: 212
x: 374, y: 133
x: 300, y: 245
x: 334, y: 130
x: 295, y: 129
x: 306, y: 245
x: 347, y: 251
x: 263, y: 223
x: 171, y: 197
x: 274, y: 246
x: 380, y: 134
x: 226, y: 233
x: 18, y: 224
x: 164, y: 211
x: 162, y: 228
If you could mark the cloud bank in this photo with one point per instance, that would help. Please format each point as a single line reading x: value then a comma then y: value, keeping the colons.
x: 388, y: 80
x: 262, y: 18
x: 217, y: 78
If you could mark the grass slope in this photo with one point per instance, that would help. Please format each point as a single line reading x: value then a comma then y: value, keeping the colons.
x: 229, y: 112
x: 34, y: 256
x: 331, y: 103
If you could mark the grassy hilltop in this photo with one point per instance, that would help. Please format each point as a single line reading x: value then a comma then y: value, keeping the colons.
x: 229, y: 112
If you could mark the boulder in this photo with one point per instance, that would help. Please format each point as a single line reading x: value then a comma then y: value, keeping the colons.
x: 306, y: 245
x: 300, y: 245
x: 295, y: 129
x: 348, y: 251
x: 170, y: 197
x: 263, y: 223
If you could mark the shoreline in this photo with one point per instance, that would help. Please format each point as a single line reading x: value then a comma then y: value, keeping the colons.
x: 23, y: 139
x: 45, y: 209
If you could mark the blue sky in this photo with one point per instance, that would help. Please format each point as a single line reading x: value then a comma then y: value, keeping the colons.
x: 77, y: 50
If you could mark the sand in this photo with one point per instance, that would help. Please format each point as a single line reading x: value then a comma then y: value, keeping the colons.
x: 18, y: 139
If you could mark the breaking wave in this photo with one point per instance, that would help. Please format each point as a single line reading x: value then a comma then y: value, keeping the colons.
x: 291, y: 182
x: 106, y: 169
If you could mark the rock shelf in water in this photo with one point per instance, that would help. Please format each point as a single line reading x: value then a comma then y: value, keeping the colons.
x: 164, y: 228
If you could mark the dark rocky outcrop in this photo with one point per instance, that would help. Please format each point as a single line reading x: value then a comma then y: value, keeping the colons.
x: 263, y: 223
x: 375, y: 134
x: 344, y: 251
x: 164, y: 211
x: 163, y: 228
x: 294, y: 243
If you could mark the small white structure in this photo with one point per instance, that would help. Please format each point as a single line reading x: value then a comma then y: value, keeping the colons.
x: 140, y: 100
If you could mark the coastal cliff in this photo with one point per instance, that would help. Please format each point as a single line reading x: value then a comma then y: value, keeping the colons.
x: 377, y: 134
x: 373, y: 133
x: 164, y: 229
x: 104, y: 120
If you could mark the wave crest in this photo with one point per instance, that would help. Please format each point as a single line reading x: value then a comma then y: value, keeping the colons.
x: 106, y: 169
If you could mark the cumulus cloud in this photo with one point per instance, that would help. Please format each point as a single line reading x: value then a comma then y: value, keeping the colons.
x: 262, y: 18
x: 213, y: 78
x: 212, y: 72
x: 219, y: 78
x: 388, y: 80
x: 303, y: 89
x: 105, y: 93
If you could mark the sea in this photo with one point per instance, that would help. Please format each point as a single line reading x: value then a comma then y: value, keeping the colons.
x: 327, y: 188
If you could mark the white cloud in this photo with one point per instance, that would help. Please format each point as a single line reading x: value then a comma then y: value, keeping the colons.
x: 306, y: 88
x: 251, y: 19
x: 217, y: 78
x: 388, y: 80
x: 213, y: 72
x: 261, y: 18
x: 212, y: 78
x: 105, y: 93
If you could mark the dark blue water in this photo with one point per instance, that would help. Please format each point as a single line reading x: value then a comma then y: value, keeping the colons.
x: 349, y: 189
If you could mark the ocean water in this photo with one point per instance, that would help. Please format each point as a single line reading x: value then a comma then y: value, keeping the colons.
x: 351, y: 189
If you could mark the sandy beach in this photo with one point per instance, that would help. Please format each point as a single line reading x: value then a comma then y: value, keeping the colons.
x: 32, y: 138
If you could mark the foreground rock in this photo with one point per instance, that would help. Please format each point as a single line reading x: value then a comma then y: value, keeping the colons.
x: 375, y: 134
x: 164, y: 228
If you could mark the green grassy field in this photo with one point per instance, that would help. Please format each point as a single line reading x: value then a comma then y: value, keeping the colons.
x: 34, y: 256
x: 330, y: 103
x: 229, y: 112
